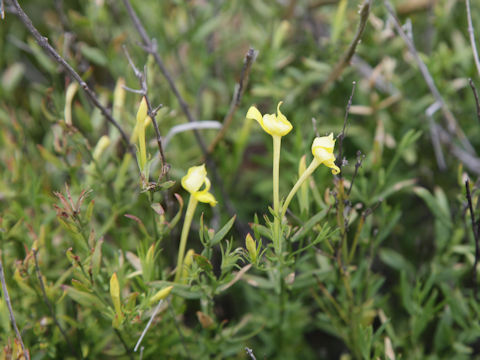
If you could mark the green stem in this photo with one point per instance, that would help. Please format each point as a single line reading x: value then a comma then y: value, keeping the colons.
x: 192, y: 204
x: 277, y: 142
x: 306, y: 174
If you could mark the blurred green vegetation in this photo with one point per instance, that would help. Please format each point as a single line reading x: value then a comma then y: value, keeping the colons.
x: 382, y: 272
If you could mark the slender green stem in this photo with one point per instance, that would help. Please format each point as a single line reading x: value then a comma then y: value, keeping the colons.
x: 277, y: 142
x: 192, y: 204
x: 306, y: 174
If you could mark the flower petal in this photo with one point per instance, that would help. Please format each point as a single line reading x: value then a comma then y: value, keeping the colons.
x: 274, y: 126
x: 205, y: 197
x: 323, y: 156
x: 254, y: 114
x: 194, y: 179
x: 335, y: 169
x: 283, y: 120
x: 325, y: 142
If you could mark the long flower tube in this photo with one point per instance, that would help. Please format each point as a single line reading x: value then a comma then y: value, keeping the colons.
x: 192, y: 182
x: 277, y: 126
x: 322, y: 150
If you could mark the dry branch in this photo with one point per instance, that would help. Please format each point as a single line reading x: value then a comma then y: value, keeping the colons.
x: 237, y: 97
x: 452, y: 124
x: 45, y: 45
x: 10, y: 311
x: 348, y: 54
x: 471, y: 33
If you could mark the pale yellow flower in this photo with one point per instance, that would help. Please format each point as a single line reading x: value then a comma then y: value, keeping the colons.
x: 192, y: 182
x: 322, y: 150
x: 275, y: 125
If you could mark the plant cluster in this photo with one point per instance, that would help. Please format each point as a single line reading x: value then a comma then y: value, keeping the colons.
x: 144, y: 215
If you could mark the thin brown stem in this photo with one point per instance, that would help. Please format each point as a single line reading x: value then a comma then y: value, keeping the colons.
x: 49, y: 304
x: 470, y: 161
x: 434, y: 136
x: 471, y: 33
x: 150, y: 45
x: 45, y: 45
x: 475, y: 95
x: 360, y: 158
x: 348, y: 54
x: 237, y: 97
x: 476, y: 236
x: 10, y: 311
x: 341, y: 136
x: 152, y: 112
x: 452, y: 124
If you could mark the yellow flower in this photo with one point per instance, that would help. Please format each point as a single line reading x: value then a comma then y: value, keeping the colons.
x: 192, y: 182
x: 275, y: 125
x: 322, y: 150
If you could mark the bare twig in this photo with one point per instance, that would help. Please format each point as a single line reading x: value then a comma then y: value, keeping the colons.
x: 372, y: 75
x: 250, y: 353
x: 45, y: 45
x: 144, y: 332
x: 360, y: 158
x: 452, y: 124
x: 437, y: 148
x: 348, y: 54
x: 150, y: 46
x: 470, y: 161
x: 475, y: 95
x: 341, y: 136
x: 49, y: 304
x: 411, y: 6
x: 10, y: 311
x: 476, y: 235
x: 204, y: 124
x: 152, y: 112
x: 472, y: 37
x: 237, y: 97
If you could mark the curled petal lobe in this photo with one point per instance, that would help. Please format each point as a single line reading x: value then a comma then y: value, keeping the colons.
x: 325, y: 142
x: 322, y: 150
x: 205, y: 197
x: 195, y: 178
x: 275, y: 125
x: 254, y: 114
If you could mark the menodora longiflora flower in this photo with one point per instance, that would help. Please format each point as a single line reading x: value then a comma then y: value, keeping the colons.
x: 322, y: 150
x: 277, y: 126
x: 193, y: 182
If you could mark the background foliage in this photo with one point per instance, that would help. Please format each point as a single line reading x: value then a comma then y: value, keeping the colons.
x: 384, y: 271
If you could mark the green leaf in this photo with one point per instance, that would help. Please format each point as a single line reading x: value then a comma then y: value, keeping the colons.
x: 203, y: 263
x: 93, y: 54
x: 223, y: 231
x: 305, y: 229
x: 396, y: 260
